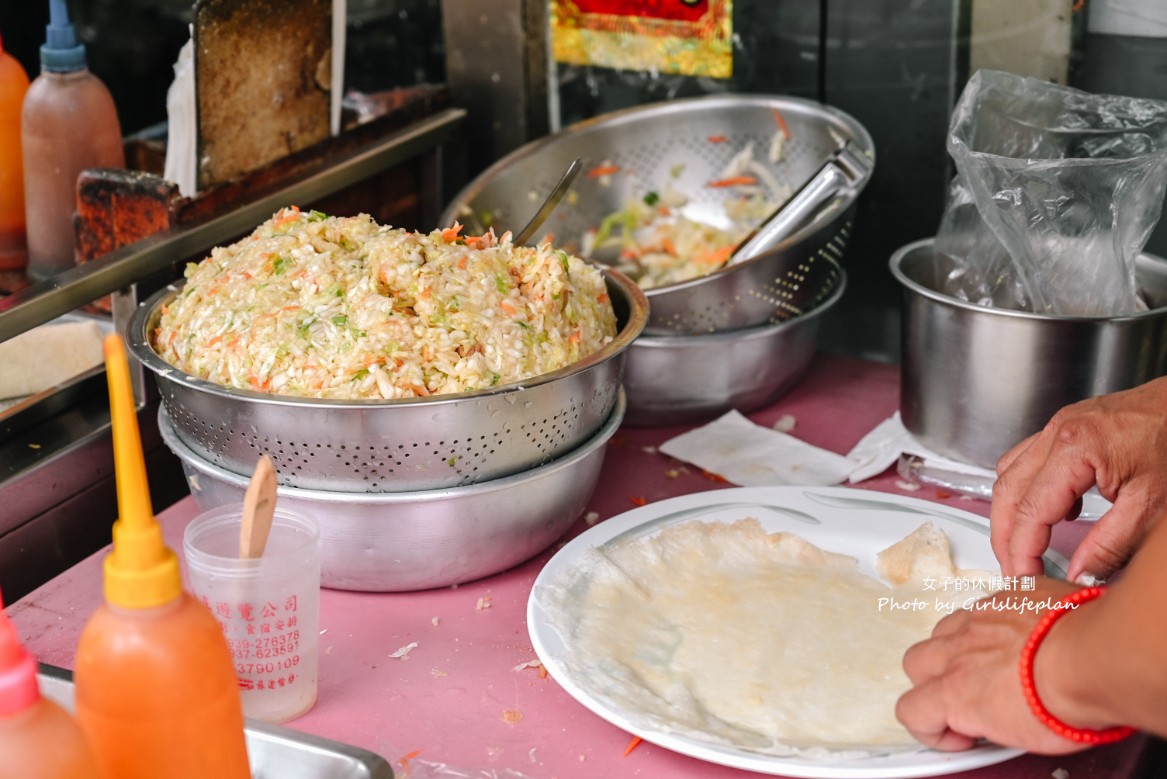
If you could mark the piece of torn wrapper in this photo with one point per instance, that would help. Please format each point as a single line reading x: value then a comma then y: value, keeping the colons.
x: 750, y: 455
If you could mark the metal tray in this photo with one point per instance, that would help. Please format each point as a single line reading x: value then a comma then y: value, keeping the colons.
x: 274, y: 751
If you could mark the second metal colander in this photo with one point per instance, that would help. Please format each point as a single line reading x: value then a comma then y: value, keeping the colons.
x: 685, y: 145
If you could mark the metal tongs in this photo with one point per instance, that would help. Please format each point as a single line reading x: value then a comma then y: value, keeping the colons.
x: 845, y: 168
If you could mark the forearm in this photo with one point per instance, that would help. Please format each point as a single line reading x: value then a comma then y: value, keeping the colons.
x: 1105, y: 663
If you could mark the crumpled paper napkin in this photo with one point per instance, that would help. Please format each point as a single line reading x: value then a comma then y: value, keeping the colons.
x: 883, y: 446
x: 750, y: 455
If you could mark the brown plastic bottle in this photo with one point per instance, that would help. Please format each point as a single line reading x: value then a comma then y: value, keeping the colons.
x: 38, y: 738
x: 69, y: 124
x: 13, y: 86
x: 156, y: 692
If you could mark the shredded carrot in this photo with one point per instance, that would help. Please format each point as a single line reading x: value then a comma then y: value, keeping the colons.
x: 404, y: 760
x: 603, y: 170
x: 715, y: 256
x: 669, y: 247
x: 508, y: 307
x: 733, y: 181
x: 450, y: 234
x: 293, y: 213
x: 781, y: 122
x: 717, y: 139
x: 664, y: 210
x: 542, y: 672
x: 254, y: 381
x: 629, y: 254
x: 638, y: 500
x: 1078, y: 6
x: 943, y: 494
x: 214, y: 340
x: 478, y: 242
x: 633, y: 744
x: 717, y: 477
x: 602, y: 297
x: 419, y: 390
x: 574, y: 337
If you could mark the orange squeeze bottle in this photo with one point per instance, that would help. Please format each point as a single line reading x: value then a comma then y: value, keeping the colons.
x: 38, y: 738
x: 13, y: 240
x: 156, y: 692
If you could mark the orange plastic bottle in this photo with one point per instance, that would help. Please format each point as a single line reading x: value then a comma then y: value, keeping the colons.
x: 69, y: 124
x: 13, y: 86
x: 38, y: 738
x: 156, y: 692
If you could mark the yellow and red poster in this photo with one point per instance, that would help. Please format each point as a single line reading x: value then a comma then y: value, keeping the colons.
x: 684, y: 37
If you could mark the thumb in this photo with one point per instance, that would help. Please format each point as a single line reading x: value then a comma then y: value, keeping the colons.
x: 1107, y: 546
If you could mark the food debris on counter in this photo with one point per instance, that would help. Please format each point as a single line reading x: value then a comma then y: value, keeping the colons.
x: 435, y: 621
x: 906, y: 486
x: 592, y: 517
x: 785, y: 423
x: 536, y: 664
x: 512, y: 716
x: 638, y: 500
x: 483, y: 603
x: 403, y: 652
x: 438, y: 672
x: 633, y: 744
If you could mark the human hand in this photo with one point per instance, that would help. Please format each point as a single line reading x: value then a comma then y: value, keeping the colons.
x: 966, y: 682
x: 1117, y: 442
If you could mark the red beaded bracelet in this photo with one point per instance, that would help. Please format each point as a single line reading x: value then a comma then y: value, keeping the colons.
x: 1029, y: 687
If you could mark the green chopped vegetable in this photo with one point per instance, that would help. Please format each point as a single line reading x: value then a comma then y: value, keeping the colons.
x: 651, y: 199
x: 340, y: 320
x: 281, y: 264
x: 316, y: 216
x: 625, y: 219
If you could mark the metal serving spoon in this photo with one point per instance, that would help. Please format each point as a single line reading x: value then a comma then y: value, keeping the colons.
x: 549, y: 204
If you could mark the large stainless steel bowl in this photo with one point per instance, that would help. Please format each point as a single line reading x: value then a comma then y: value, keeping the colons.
x: 400, y: 541
x: 668, y: 146
x: 976, y: 380
x: 401, y: 445
x: 672, y: 380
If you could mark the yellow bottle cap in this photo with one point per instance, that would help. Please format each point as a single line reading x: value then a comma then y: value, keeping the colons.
x: 141, y: 572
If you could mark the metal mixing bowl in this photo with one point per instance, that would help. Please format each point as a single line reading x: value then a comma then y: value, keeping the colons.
x: 394, y: 542
x: 398, y: 445
x: 975, y: 380
x: 672, y: 380
x: 652, y: 143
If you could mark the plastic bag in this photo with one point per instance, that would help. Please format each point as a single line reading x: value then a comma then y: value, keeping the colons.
x: 1056, y: 193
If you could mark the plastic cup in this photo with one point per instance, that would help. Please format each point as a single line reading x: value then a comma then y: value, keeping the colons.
x: 268, y: 607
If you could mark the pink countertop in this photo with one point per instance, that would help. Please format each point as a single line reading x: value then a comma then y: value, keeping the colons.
x: 462, y: 697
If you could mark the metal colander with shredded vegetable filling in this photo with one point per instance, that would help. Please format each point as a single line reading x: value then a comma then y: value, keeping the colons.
x: 717, y: 164
x: 364, y: 358
x: 341, y: 307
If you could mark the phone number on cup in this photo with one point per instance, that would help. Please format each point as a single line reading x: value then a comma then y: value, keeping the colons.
x: 268, y: 646
x: 249, y: 669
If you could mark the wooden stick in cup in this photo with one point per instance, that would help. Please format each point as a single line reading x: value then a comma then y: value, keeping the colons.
x: 259, y: 504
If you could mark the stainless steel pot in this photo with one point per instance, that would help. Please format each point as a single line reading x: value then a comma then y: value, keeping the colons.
x: 401, y: 541
x: 976, y: 381
x: 672, y: 380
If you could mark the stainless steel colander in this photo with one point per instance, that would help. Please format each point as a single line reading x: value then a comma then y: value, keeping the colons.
x: 414, y: 444
x: 684, y: 145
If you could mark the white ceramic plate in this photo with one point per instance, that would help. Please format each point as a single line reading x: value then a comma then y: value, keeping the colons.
x: 855, y: 522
